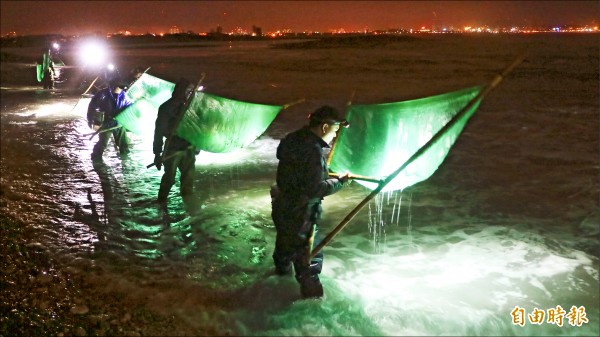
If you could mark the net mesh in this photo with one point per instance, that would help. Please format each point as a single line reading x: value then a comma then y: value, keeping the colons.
x: 155, y: 90
x: 147, y: 94
x: 211, y: 123
x: 381, y: 137
x: 217, y: 124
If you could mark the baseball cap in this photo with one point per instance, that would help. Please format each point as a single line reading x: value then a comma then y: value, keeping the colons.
x: 327, y: 114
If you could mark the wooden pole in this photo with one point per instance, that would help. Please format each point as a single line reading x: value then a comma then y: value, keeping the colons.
x: 133, y: 82
x: 358, y: 177
x: 417, y: 154
x: 91, y: 85
x: 102, y: 131
x: 285, y: 106
x: 174, y: 154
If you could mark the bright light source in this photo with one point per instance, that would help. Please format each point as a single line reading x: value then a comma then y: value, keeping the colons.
x: 110, y: 67
x: 56, y: 46
x: 93, y: 53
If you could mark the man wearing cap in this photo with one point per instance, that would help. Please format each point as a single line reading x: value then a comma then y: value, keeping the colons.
x: 102, y: 110
x: 302, y: 183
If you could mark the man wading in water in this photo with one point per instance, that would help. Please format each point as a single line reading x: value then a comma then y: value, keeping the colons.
x: 302, y: 183
x: 179, y: 154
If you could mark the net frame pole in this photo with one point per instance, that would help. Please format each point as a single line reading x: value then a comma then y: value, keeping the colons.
x: 133, y: 82
x: 493, y: 84
x: 285, y: 106
x: 90, y: 87
x: 100, y: 130
x: 357, y: 177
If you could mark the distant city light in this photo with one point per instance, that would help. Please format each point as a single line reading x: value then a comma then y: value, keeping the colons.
x: 435, y: 28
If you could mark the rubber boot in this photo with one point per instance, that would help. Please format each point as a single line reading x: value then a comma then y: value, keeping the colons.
x: 310, y: 286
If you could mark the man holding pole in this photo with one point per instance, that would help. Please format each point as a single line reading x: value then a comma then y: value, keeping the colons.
x: 302, y: 183
x: 102, y: 110
x: 178, y: 153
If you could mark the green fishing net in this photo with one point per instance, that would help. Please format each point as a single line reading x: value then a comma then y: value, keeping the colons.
x: 381, y: 137
x: 211, y: 123
x: 39, y: 72
x: 155, y: 90
x: 147, y: 94
x: 217, y: 124
x: 41, y: 68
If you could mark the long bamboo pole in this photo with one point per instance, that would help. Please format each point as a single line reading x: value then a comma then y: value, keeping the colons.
x: 135, y: 80
x: 357, y: 177
x: 285, y: 106
x: 417, y: 154
x: 174, y: 154
x: 90, y: 87
x: 85, y: 93
x: 93, y: 134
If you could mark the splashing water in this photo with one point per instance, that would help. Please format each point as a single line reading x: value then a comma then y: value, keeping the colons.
x: 380, y: 216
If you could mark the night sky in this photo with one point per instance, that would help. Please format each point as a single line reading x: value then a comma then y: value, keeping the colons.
x: 81, y: 17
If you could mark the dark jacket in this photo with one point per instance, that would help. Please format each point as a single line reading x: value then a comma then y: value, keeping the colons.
x: 302, y: 174
x: 165, y: 123
x: 106, y: 105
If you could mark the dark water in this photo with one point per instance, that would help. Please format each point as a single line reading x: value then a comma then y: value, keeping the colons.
x: 511, y: 218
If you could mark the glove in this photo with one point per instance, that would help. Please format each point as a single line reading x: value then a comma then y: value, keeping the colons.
x: 345, y: 179
x: 158, y: 161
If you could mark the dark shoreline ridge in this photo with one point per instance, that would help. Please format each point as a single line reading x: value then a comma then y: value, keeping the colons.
x: 169, y: 41
x: 349, y: 41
